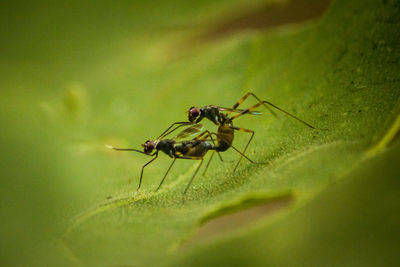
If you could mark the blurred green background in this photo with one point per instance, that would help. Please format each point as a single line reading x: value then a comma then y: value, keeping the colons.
x: 78, y: 75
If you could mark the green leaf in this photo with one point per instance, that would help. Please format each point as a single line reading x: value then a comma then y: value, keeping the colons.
x: 78, y: 77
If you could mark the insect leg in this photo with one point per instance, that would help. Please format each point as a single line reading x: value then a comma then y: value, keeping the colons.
x: 165, y: 176
x: 212, y: 155
x: 167, y: 132
x: 188, y: 157
x: 209, y: 161
x: 212, y: 140
x: 278, y: 108
x: 194, y: 175
x: 208, y: 134
x: 203, y: 135
x: 243, y: 155
x: 141, y: 174
x: 240, y: 101
x: 244, y: 151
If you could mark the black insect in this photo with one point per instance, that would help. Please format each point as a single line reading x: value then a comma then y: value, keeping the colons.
x: 198, y: 147
x: 220, y: 116
x: 194, y: 149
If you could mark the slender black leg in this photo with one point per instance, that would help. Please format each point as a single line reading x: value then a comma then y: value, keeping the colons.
x: 194, y: 175
x: 141, y: 175
x: 165, y: 176
x: 244, y: 150
x: 204, y: 135
x: 208, y: 163
x: 243, y: 155
x: 180, y: 124
x: 209, y: 134
x: 212, y: 155
x: 240, y: 130
x: 219, y: 154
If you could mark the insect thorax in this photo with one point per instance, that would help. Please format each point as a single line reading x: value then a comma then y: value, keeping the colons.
x: 212, y: 113
x: 166, y: 146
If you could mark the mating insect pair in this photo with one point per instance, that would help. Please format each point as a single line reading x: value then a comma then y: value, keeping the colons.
x: 197, y: 148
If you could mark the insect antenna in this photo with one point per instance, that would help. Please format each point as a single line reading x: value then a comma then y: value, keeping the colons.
x: 127, y: 149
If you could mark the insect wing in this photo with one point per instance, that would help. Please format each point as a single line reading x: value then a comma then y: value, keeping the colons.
x: 240, y: 111
x: 189, y: 131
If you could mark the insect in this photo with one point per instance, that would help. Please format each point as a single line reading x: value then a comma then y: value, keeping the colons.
x: 220, y: 116
x: 194, y: 149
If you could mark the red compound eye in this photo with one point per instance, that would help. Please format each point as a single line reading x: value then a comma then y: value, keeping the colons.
x: 148, y: 146
x: 193, y: 113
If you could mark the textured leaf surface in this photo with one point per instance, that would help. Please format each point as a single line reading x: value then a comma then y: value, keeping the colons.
x: 77, y: 77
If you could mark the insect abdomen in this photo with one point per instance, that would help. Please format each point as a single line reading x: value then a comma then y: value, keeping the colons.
x: 225, y: 137
x: 194, y: 148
